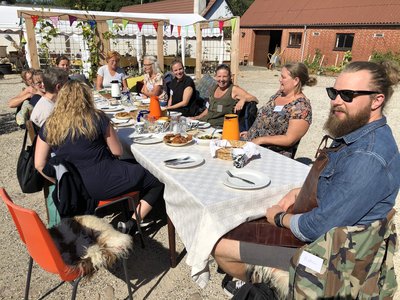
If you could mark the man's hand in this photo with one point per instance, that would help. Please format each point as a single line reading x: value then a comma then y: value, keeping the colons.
x: 271, y: 212
x: 289, y: 199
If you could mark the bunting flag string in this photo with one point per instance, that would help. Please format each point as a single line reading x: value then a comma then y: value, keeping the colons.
x: 172, y: 28
x: 221, y: 25
x: 155, y: 24
x: 110, y: 24
x: 54, y: 20
x: 72, y: 19
x: 124, y: 23
x: 92, y: 24
x: 34, y: 20
x: 233, y: 24
x: 140, y: 25
x: 179, y: 31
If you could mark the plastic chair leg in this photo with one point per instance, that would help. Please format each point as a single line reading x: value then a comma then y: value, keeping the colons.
x: 128, y: 282
x: 28, y: 278
x: 75, y: 287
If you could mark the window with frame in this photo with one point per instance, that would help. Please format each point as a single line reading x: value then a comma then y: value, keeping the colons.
x: 344, y: 41
x: 295, y: 39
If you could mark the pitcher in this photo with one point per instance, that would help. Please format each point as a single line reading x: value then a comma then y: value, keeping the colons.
x: 230, y: 130
x: 115, y: 89
x: 155, y: 109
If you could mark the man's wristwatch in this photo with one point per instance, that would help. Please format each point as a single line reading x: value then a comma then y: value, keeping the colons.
x: 279, y: 218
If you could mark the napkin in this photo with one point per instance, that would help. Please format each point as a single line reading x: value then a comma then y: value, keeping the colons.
x: 241, y: 155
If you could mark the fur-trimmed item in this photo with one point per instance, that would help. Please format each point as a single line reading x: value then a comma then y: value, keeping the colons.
x: 278, y: 280
x: 88, y: 243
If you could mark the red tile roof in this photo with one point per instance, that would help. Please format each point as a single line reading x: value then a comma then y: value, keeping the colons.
x: 166, y: 6
x: 270, y: 13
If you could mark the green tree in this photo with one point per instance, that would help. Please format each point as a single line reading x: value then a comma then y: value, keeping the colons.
x: 239, y: 7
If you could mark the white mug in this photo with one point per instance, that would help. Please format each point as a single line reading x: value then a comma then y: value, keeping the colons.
x: 162, y: 125
x: 139, y: 127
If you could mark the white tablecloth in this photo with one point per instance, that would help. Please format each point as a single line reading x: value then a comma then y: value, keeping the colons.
x: 200, y: 206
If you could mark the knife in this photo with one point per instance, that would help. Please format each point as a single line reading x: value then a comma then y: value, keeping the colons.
x: 176, y: 159
x: 140, y: 138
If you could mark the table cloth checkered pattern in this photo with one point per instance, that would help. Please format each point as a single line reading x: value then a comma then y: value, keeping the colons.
x: 200, y: 206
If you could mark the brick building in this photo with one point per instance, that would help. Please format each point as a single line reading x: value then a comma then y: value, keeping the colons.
x: 302, y: 27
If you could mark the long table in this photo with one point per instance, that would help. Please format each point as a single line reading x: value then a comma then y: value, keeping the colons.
x: 200, y: 206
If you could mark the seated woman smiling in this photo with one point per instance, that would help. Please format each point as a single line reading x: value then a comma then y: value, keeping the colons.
x: 286, y: 117
x: 226, y: 98
x: 110, y: 72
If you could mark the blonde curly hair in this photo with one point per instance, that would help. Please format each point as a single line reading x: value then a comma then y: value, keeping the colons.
x: 74, y: 115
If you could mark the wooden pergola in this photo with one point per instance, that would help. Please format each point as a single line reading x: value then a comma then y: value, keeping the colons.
x: 117, y: 17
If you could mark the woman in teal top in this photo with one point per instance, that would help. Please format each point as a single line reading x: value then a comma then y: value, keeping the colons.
x: 227, y: 98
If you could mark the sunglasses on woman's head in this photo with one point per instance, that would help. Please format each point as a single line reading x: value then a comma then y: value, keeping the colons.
x: 347, y: 95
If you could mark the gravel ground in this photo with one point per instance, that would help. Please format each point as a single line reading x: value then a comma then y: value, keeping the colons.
x: 148, y: 268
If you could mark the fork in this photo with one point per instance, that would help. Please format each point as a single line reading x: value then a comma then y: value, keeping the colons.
x: 237, y: 177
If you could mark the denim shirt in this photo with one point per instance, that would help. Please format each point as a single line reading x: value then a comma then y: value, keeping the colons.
x: 359, y: 184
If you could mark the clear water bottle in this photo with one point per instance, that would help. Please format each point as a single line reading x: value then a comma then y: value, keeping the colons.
x: 126, y: 98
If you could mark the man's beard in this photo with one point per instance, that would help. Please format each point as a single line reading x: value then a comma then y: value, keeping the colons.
x: 337, y: 127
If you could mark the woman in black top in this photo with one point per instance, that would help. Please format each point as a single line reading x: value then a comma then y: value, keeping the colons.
x: 182, y: 91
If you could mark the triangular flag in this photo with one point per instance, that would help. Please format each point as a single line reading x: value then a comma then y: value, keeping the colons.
x: 34, y: 20
x: 172, y: 28
x: 179, y: 30
x: 124, y: 23
x: 140, y: 25
x: 211, y: 25
x: 233, y: 24
x: 110, y: 24
x: 155, y: 24
x: 194, y: 28
x: 23, y: 40
x: 165, y: 27
x: 54, y: 20
x: 187, y: 30
x: 220, y: 25
x: 92, y: 24
x: 72, y: 19
x: 20, y: 21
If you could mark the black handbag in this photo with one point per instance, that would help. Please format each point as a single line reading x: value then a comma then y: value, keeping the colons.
x: 30, y: 180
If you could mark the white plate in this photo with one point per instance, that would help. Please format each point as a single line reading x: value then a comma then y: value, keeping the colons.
x: 179, y: 145
x: 145, y: 101
x: 123, y: 123
x: 142, y: 139
x: 261, y: 180
x: 194, y: 160
x: 204, y: 125
x: 111, y: 108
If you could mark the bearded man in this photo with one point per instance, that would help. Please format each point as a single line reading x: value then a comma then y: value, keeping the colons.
x: 355, y: 181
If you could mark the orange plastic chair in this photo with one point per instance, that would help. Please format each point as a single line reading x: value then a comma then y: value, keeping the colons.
x: 42, y: 249
x: 129, y: 201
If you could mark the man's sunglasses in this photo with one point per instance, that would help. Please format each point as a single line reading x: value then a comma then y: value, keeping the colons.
x: 347, y: 95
